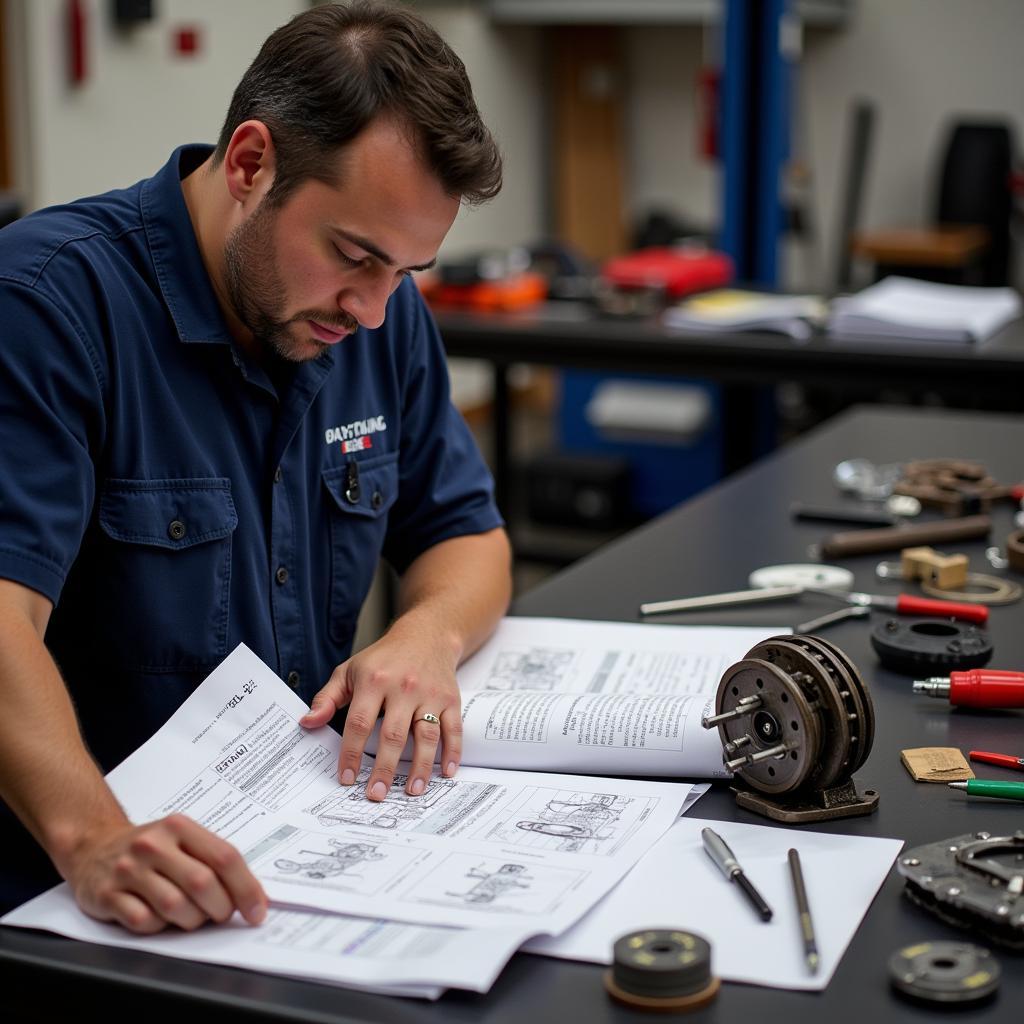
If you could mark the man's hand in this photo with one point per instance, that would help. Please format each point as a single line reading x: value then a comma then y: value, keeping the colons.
x: 167, y: 872
x: 409, y: 672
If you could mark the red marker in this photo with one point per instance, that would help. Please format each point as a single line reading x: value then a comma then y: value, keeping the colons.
x: 1003, y: 760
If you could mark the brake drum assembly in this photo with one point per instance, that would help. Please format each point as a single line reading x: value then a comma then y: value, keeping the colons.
x: 796, y: 721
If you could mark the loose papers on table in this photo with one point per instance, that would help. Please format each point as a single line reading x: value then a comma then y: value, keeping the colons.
x: 676, y: 885
x: 522, y: 854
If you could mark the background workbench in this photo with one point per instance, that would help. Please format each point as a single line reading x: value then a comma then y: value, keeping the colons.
x: 709, y: 544
x: 568, y: 334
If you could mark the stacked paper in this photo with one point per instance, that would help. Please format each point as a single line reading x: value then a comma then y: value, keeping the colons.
x: 901, y: 307
x: 730, y: 309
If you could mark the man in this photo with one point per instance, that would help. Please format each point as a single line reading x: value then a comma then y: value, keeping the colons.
x: 210, y: 434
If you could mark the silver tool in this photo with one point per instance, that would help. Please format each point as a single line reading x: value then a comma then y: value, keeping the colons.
x: 719, y: 600
x: 857, y: 611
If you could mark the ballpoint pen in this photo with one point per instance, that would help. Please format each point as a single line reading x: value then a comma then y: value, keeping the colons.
x: 991, y: 787
x: 726, y: 862
x: 804, y: 910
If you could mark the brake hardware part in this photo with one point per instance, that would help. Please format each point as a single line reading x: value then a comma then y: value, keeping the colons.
x: 944, y: 972
x: 663, y: 969
x: 955, y: 486
x: 947, y: 576
x: 796, y: 721
x: 972, y: 881
x: 916, y: 646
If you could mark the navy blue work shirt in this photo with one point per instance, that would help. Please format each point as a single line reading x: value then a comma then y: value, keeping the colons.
x: 173, y: 499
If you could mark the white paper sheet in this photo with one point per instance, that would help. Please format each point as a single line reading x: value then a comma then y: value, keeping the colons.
x: 487, y: 849
x: 678, y: 886
x: 582, y: 656
x: 374, y: 956
x: 606, y: 698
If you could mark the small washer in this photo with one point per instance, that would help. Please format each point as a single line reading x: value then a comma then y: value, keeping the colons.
x: 944, y: 972
x: 803, y: 574
x: 662, y: 969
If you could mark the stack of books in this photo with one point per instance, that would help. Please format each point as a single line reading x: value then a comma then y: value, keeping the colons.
x: 903, y: 307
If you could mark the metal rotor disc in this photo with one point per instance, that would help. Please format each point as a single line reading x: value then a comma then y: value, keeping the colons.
x: 784, y: 715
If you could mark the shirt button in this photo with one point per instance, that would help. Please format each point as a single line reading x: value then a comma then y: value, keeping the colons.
x: 176, y: 529
x: 278, y: 475
x: 377, y: 499
x: 293, y: 679
x: 281, y: 575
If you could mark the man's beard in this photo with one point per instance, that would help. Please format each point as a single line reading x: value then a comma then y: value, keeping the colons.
x: 257, y: 292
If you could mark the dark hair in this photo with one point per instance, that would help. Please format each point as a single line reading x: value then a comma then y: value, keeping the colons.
x: 319, y: 80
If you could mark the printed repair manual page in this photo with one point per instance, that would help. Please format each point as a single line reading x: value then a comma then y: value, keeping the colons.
x: 609, y: 698
x: 522, y: 852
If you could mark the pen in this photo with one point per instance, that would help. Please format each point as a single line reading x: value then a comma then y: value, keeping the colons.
x: 804, y: 910
x: 726, y: 862
x: 991, y: 787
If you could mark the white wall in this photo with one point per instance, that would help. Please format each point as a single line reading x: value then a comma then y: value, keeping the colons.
x: 664, y: 169
x: 505, y: 65
x: 923, y: 63
x: 140, y: 99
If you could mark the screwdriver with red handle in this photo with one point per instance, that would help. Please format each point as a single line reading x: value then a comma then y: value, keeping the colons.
x: 978, y: 688
x: 908, y: 604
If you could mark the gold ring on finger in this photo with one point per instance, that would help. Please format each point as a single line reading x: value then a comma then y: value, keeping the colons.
x: 428, y: 717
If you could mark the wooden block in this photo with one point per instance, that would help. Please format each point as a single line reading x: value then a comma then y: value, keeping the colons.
x: 948, y: 572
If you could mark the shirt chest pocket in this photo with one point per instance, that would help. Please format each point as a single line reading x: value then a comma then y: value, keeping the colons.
x: 359, y: 497
x: 167, y: 572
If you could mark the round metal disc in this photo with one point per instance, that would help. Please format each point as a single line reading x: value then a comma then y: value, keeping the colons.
x: 802, y: 574
x: 944, y: 972
x: 785, y: 710
x: 866, y: 735
x: 824, y: 686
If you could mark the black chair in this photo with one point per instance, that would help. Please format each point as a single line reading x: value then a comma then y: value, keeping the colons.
x: 975, y: 188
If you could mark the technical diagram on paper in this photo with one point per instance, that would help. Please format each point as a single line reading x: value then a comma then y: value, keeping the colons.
x: 578, y: 656
x: 442, y: 803
x: 234, y: 758
x: 568, y: 820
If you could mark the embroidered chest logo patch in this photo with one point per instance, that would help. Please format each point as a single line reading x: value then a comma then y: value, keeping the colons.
x: 357, y: 435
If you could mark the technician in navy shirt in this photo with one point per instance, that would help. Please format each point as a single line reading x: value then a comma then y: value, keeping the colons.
x: 223, y: 400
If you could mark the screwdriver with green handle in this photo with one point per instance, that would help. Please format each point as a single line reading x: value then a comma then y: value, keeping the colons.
x: 991, y: 787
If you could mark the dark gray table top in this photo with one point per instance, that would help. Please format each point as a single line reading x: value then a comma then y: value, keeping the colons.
x: 710, y: 544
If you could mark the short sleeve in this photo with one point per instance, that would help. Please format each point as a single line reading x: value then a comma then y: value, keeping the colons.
x: 51, y: 426
x: 445, y: 488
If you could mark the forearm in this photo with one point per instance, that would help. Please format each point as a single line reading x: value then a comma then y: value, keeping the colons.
x: 457, y: 590
x: 145, y: 876
x: 47, y: 776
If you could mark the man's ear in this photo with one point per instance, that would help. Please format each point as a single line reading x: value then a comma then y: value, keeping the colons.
x: 249, y: 163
